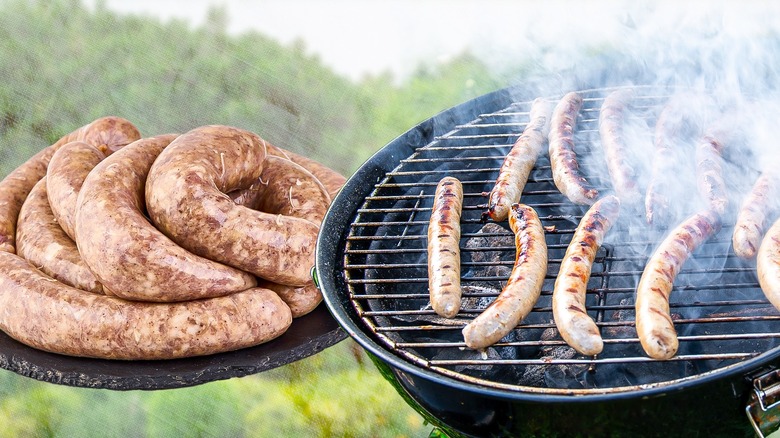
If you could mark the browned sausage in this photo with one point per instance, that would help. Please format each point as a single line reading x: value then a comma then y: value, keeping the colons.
x: 654, y: 324
x: 444, y: 248
x: 286, y: 188
x: 185, y: 198
x: 523, y: 287
x: 758, y: 207
x: 127, y: 253
x: 46, y: 314
x: 611, y: 121
x: 563, y: 160
x: 680, y: 119
x: 768, y: 264
x: 576, y: 327
x: 106, y: 133
x: 519, y: 161
x: 68, y: 168
x: 709, y: 163
x: 332, y: 180
x: 41, y: 241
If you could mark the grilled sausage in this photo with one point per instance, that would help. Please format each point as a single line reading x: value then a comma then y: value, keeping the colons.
x: 107, y: 133
x: 332, y: 180
x: 758, y: 206
x: 128, y: 254
x: 444, y: 248
x: 91, y: 325
x: 286, y: 188
x: 519, y: 161
x: 569, y: 293
x: 709, y: 163
x: 185, y: 197
x: 611, y: 120
x: 41, y: 241
x: 563, y: 160
x: 523, y: 287
x: 654, y: 324
x: 768, y: 264
x: 680, y: 119
x: 68, y: 168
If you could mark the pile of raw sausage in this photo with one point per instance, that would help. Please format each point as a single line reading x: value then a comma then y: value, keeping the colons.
x: 119, y: 246
x: 557, y: 125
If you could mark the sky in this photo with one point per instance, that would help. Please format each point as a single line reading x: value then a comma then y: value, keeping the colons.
x: 359, y: 37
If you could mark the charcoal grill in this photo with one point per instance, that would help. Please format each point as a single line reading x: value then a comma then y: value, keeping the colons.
x: 371, y: 265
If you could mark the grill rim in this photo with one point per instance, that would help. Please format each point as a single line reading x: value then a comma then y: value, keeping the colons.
x: 330, y: 269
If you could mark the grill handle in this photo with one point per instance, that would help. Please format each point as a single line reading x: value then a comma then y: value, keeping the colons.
x: 763, y: 407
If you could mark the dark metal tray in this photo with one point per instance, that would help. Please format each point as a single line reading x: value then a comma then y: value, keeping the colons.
x: 307, y: 335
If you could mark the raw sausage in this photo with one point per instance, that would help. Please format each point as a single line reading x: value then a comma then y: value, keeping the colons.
x: 565, y: 168
x: 654, y: 324
x: 128, y: 254
x: 46, y: 314
x: 332, y: 180
x: 444, y: 248
x: 41, y: 241
x: 68, y: 168
x: 519, y: 161
x: 569, y: 293
x: 758, y: 207
x: 186, y: 199
x: 523, y: 287
x: 611, y: 120
x: 301, y: 300
x: 288, y: 189
x: 768, y: 264
x: 107, y: 133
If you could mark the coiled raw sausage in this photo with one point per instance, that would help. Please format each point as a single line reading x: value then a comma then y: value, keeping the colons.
x: 106, y: 133
x: 41, y: 241
x: 46, y: 314
x: 128, y: 254
x: 67, y: 170
x: 186, y: 199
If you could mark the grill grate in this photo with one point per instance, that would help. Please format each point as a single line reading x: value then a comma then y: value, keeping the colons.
x: 720, y: 313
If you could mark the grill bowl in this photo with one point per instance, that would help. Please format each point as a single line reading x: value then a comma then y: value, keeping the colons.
x: 381, y: 213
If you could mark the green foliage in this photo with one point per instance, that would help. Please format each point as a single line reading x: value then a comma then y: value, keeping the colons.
x: 64, y: 66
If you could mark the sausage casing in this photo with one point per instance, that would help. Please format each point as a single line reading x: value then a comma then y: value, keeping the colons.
x: 41, y: 241
x: 444, y: 248
x: 768, y: 264
x: 611, y: 121
x: 288, y: 189
x: 332, y: 180
x: 106, y: 133
x: 98, y: 326
x: 520, y: 161
x: 757, y: 207
x: 523, y: 287
x: 186, y: 199
x: 67, y: 170
x: 126, y: 252
x: 563, y: 160
x: 654, y: 324
x: 576, y: 327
